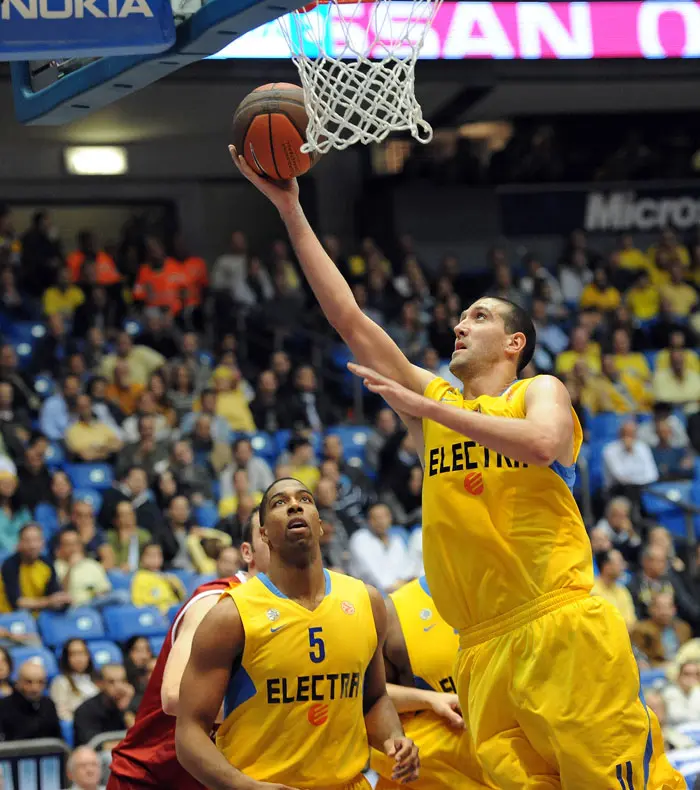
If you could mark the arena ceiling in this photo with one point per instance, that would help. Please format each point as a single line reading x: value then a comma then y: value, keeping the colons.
x: 199, y: 100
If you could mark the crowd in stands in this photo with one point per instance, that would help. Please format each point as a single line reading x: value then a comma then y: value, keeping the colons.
x: 137, y: 436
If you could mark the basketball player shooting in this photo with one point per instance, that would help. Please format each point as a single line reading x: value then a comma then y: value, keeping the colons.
x: 546, y: 678
x: 297, y: 661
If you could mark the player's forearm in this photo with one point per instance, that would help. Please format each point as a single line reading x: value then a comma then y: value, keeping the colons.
x: 200, y: 757
x: 382, y: 722
x: 328, y: 284
x: 519, y: 439
x: 408, y: 700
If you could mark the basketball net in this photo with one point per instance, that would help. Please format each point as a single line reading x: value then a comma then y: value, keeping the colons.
x: 357, y: 65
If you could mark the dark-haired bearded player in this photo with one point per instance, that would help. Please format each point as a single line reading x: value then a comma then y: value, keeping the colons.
x: 546, y: 678
x: 146, y: 757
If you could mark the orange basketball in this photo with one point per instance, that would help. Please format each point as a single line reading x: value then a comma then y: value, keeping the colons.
x: 269, y: 128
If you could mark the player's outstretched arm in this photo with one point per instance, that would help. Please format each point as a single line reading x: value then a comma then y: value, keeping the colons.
x: 384, y: 729
x: 203, y: 687
x: 369, y: 343
x: 180, y: 652
x: 544, y: 436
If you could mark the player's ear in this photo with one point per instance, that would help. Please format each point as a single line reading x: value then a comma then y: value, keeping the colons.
x: 246, y: 553
x: 516, y: 342
x: 263, y: 535
x: 321, y: 526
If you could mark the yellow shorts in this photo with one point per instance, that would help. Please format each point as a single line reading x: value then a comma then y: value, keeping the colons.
x: 550, y: 694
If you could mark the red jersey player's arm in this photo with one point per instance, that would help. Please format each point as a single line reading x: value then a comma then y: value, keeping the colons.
x: 204, y: 684
x: 369, y: 343
x: 384, y: 729
x: 180, y: 653
x: 402, y: 691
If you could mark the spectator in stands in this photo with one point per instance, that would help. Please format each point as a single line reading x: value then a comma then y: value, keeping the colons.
x: 58, y: 511
x: 616, y: 391
x: 317, y: 409
x: 580, y: 348
x: 148, y: 450
x: 158, y: 390
x: 302, y: 462
x: 41, y: 254
x: 643, y: 297
x: 611, y: 567
x: 150, y: 586
x: 680, y: 297
x: 127, y: 539
x: 272, y: 412
x: 677, y: 340
x: 63, y: 298
x: 600, y: 295
x: 13, y: 515
x: 122, y: 390
x: 174, y: 539
x: 57, y: 411
x: 206, y: 406
x: 628, y: 361
x: 677, y: 384
x: 405, y: 501
x: 84, y: 769
x: 91, y: 536
x: 259, y: 473
x: 181, y: 393
x: 574, y: 275
x: 83, y: 578
x: 197, y: 364
x: 76, y: 681
x: 619, y: 527
x: 377, y: 556
x: 682, y: 698
x: 628, y: 464
x: 385, y: 425
x: 194, y: 479
x: 228, y: 563
x: 408, y: 332
x: 630, y: 256
x: 281, y: 366
x: 161, y: 281
x: 229, y: 267
x: 253, y: 286
x: 662, y: 633
x: 137, y: 662
x: 335, y: 545
x: 14, y: 304
x: 27, y: 714
x: 159, y: 333
x: 108, y: 710
x: 215, y: 454
x: 34, y: 478
x: 89, y: 439
x: 28, y: 581
x: 673, y: 463
x: 142, y: 361
x: 441, y: 334
x: 652, y: 578
x: 104, y: 409
x: 231, y: 401
x: 98, y: 313
x: 52, y: 351
x: 6, y: 667
x: 88, y: 254
x: 15, y: 424
x: 24, y: 395
x: 648, y: 432
x: 551, y: 338
x: 504, y: 286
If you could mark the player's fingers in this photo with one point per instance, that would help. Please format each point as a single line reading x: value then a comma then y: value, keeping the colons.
x: 403, y: 751
x: 406, y: 770
x: 454, y: 719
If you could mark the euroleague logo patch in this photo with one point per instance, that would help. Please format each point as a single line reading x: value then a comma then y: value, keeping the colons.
x: 474, y: 483
x: 318, y: 714
x: 347, y: 607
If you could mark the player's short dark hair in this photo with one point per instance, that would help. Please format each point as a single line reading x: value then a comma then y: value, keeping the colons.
x: 247, y: 531
x: 515, y: 319
x: 266, y: 496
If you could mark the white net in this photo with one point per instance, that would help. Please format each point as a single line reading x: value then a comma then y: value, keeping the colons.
x: 357, y: 65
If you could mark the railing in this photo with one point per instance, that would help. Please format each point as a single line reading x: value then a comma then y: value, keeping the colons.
x: 34, y: 765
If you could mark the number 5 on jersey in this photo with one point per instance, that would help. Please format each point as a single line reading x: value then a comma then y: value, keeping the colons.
x: 317, y: 645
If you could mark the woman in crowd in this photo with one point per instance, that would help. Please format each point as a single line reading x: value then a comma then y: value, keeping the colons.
x: 76, y: 681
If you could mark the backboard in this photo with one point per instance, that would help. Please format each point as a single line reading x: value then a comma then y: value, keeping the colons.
x: 80, y: 55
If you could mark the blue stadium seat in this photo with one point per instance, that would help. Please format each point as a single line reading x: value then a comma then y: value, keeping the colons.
x: 354, y: 439
x: 24, y: 354
x: 123, y: 622
x: 595, y: 465
x: 105, y: 652
x: 650, y: 357
x: 26, y: 332
x: 46, y: 657
x: 669, y: 514
x: 120, y: 580
x: 206, y: 514
x: 400, y: 532
x: 18, y: 623
x: 606, y: 426
x: 99, y: 476
x: 172, y: 612
x: 132, y: 328
x: 687, y: 761
x: 88, y: 495
x: 46, y: 516
x: 43, y: 386
x: 692, y: 730
x: 265, y: 446
x: 67, y: 732
x: 55, y: 457
x: 186, y: 577
x: 156, y: 643
x: 650, y: 677
x: 82, y: 623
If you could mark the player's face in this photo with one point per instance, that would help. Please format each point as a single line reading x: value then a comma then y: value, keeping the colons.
x: 481, y: 339
x: 292, y: 525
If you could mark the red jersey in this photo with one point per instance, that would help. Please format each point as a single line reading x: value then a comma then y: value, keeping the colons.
x: 147, y: 756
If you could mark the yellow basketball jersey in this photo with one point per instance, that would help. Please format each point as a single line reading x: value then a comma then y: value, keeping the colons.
x: 497, y: 534
x: 432, y: 647
x: 293, y: 711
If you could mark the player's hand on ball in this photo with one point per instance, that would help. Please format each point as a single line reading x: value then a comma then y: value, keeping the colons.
x: 406, y: 760
x: 283, y: 194
x: 447, y: 706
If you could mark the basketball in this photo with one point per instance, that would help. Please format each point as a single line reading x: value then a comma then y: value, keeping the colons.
x: 269, y: 128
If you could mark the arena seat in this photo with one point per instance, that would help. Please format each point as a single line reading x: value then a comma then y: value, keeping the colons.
x: 24, y: 354
x: 172, y: 612
x: 45, y: 515
x: 68, y: 732
x: 692, y: 730
x: 81, y: 623
x: 105, y: 652
x: 354, y: 439
x: 265, y: 446
x: 55, y: 457
x: 650, y: 677
x: 156, y: 643
x: 88, y: 495
x: 98, y: 476
x: 46, y: 657
x: 120, y: 580
x: 606, y: 425
x: 43, y: 386
x: 18, y: 623
x: 186, y: 577
x: 668, y: 514
x: 206, y: 514
x: 123, y: 622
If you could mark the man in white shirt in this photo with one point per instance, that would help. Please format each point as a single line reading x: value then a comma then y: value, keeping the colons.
x: 84, y: 769
x: 627, y: 461
x: 378, y: 557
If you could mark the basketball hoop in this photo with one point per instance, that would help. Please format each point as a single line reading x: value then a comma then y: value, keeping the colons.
x: 356, y: 60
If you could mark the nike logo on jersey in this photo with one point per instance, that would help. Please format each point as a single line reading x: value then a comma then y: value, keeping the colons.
x: 272, y: 630
x: 428, y: 627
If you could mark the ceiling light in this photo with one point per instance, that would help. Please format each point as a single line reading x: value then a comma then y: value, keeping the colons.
x: 96, y: 160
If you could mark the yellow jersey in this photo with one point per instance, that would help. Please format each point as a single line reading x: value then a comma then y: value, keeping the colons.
x: 432, y: 647
x: 293, y: 710
x: 498, y: 534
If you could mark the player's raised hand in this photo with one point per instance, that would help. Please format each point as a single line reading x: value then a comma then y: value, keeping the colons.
x: 282, y: 194
x: 406, y: 760
x: 447, y: 706
x: 400, y: 398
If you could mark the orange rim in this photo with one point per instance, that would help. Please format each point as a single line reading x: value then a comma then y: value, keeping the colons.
x: 311, y: 6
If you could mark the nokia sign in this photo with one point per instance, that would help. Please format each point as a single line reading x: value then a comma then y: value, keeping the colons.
x: 626, y: 211
x: 73, y: 9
